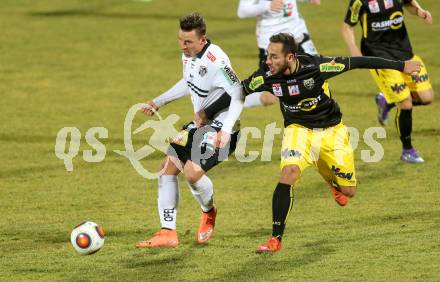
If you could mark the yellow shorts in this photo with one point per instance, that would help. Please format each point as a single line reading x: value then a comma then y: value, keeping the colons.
x: 329, y: 149
x: 397, y: 86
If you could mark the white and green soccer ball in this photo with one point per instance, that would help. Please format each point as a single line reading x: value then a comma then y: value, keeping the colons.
x: 87, y: 238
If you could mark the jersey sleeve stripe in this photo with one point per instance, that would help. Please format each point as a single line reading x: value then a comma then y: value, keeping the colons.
x: 196, y: 91
x: 199, y: 89
x: 364, y: 24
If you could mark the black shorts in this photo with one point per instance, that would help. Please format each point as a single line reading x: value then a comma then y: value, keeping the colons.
x: 196, y: 145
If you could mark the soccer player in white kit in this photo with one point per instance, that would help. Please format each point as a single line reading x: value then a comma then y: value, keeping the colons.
x: 275, y: 16
x: 207, y: 77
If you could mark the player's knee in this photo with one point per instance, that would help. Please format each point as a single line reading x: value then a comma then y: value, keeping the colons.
x: 169, y: 166
x: 348, y: 191
x: 426, y: 97
x: 289, y: 174
x: 192, y: 172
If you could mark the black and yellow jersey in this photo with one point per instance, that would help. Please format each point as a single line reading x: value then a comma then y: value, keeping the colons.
x: 304, y: 95
x: 383, y: 29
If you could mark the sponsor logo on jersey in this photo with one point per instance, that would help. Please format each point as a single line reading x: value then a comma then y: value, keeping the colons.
x: 309, y: 83
x: 419, y: 78
x: 373, y: 5
x: 293, y: 90
x: 277, y: 89
x: 268, y: 73
x: 388, y: 4
x: 230, y: 74
x: 355, y: 9
x: 397, y: 88
x: 288, y: 10
x: 305, y: 105
x: 291, y: 81
x: 395, y: 22
x: 211, y: 56
x: 202, y: 71
x: 331, y: 67
x: 345, y: 175
x: 309, y: 104
x: 256, y: 82
x: 286, y: 154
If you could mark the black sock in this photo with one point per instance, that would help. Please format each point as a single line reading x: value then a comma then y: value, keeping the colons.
x: 404, y: 127
x: 282, y: 203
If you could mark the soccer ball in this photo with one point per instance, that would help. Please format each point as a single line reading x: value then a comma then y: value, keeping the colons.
x: 87, y: 238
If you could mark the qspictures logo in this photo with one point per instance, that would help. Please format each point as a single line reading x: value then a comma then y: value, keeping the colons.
x: 68, y: 140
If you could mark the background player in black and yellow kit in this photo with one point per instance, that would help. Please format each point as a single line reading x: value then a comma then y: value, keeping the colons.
x: 314, y: 133
x: 384, y: 35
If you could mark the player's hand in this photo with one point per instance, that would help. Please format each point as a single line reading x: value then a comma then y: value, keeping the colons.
x: 221, y: 139
x: 200, y: 118
x: 426, y: 15
x: 316, y: 2
x: 412, y: 67
x: 149, y: 108
x: 277, y: 5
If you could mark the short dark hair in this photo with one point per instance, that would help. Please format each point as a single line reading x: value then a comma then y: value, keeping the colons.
x: 194, y: 21
x: 288, y: 41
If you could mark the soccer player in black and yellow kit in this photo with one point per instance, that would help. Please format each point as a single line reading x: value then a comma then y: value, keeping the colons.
x: 314, y: 133
x: 384, y: 35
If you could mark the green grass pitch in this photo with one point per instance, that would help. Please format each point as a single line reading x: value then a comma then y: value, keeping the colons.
x: 83, y: 63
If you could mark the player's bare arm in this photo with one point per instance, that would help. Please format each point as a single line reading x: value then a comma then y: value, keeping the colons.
x: 415, y: 9
x: 350, y: 40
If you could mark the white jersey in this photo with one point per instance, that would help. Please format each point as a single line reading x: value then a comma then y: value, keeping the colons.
x: 206, y: 78
x: 268, y: 22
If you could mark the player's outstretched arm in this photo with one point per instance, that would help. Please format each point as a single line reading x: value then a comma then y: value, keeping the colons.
x: 179, y: 90
x: 330, y: 67
x: 414, y: 8
x: 407, y: 67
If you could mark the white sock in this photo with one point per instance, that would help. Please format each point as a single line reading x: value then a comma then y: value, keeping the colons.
x: 168, y: 200
x: 253, y: 100
x: 203, y: 192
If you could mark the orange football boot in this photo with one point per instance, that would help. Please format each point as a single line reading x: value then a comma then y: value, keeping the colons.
x: 271, y: 246
x: 165, y: 238
x: 206, y: 227
x: 340, y: 198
